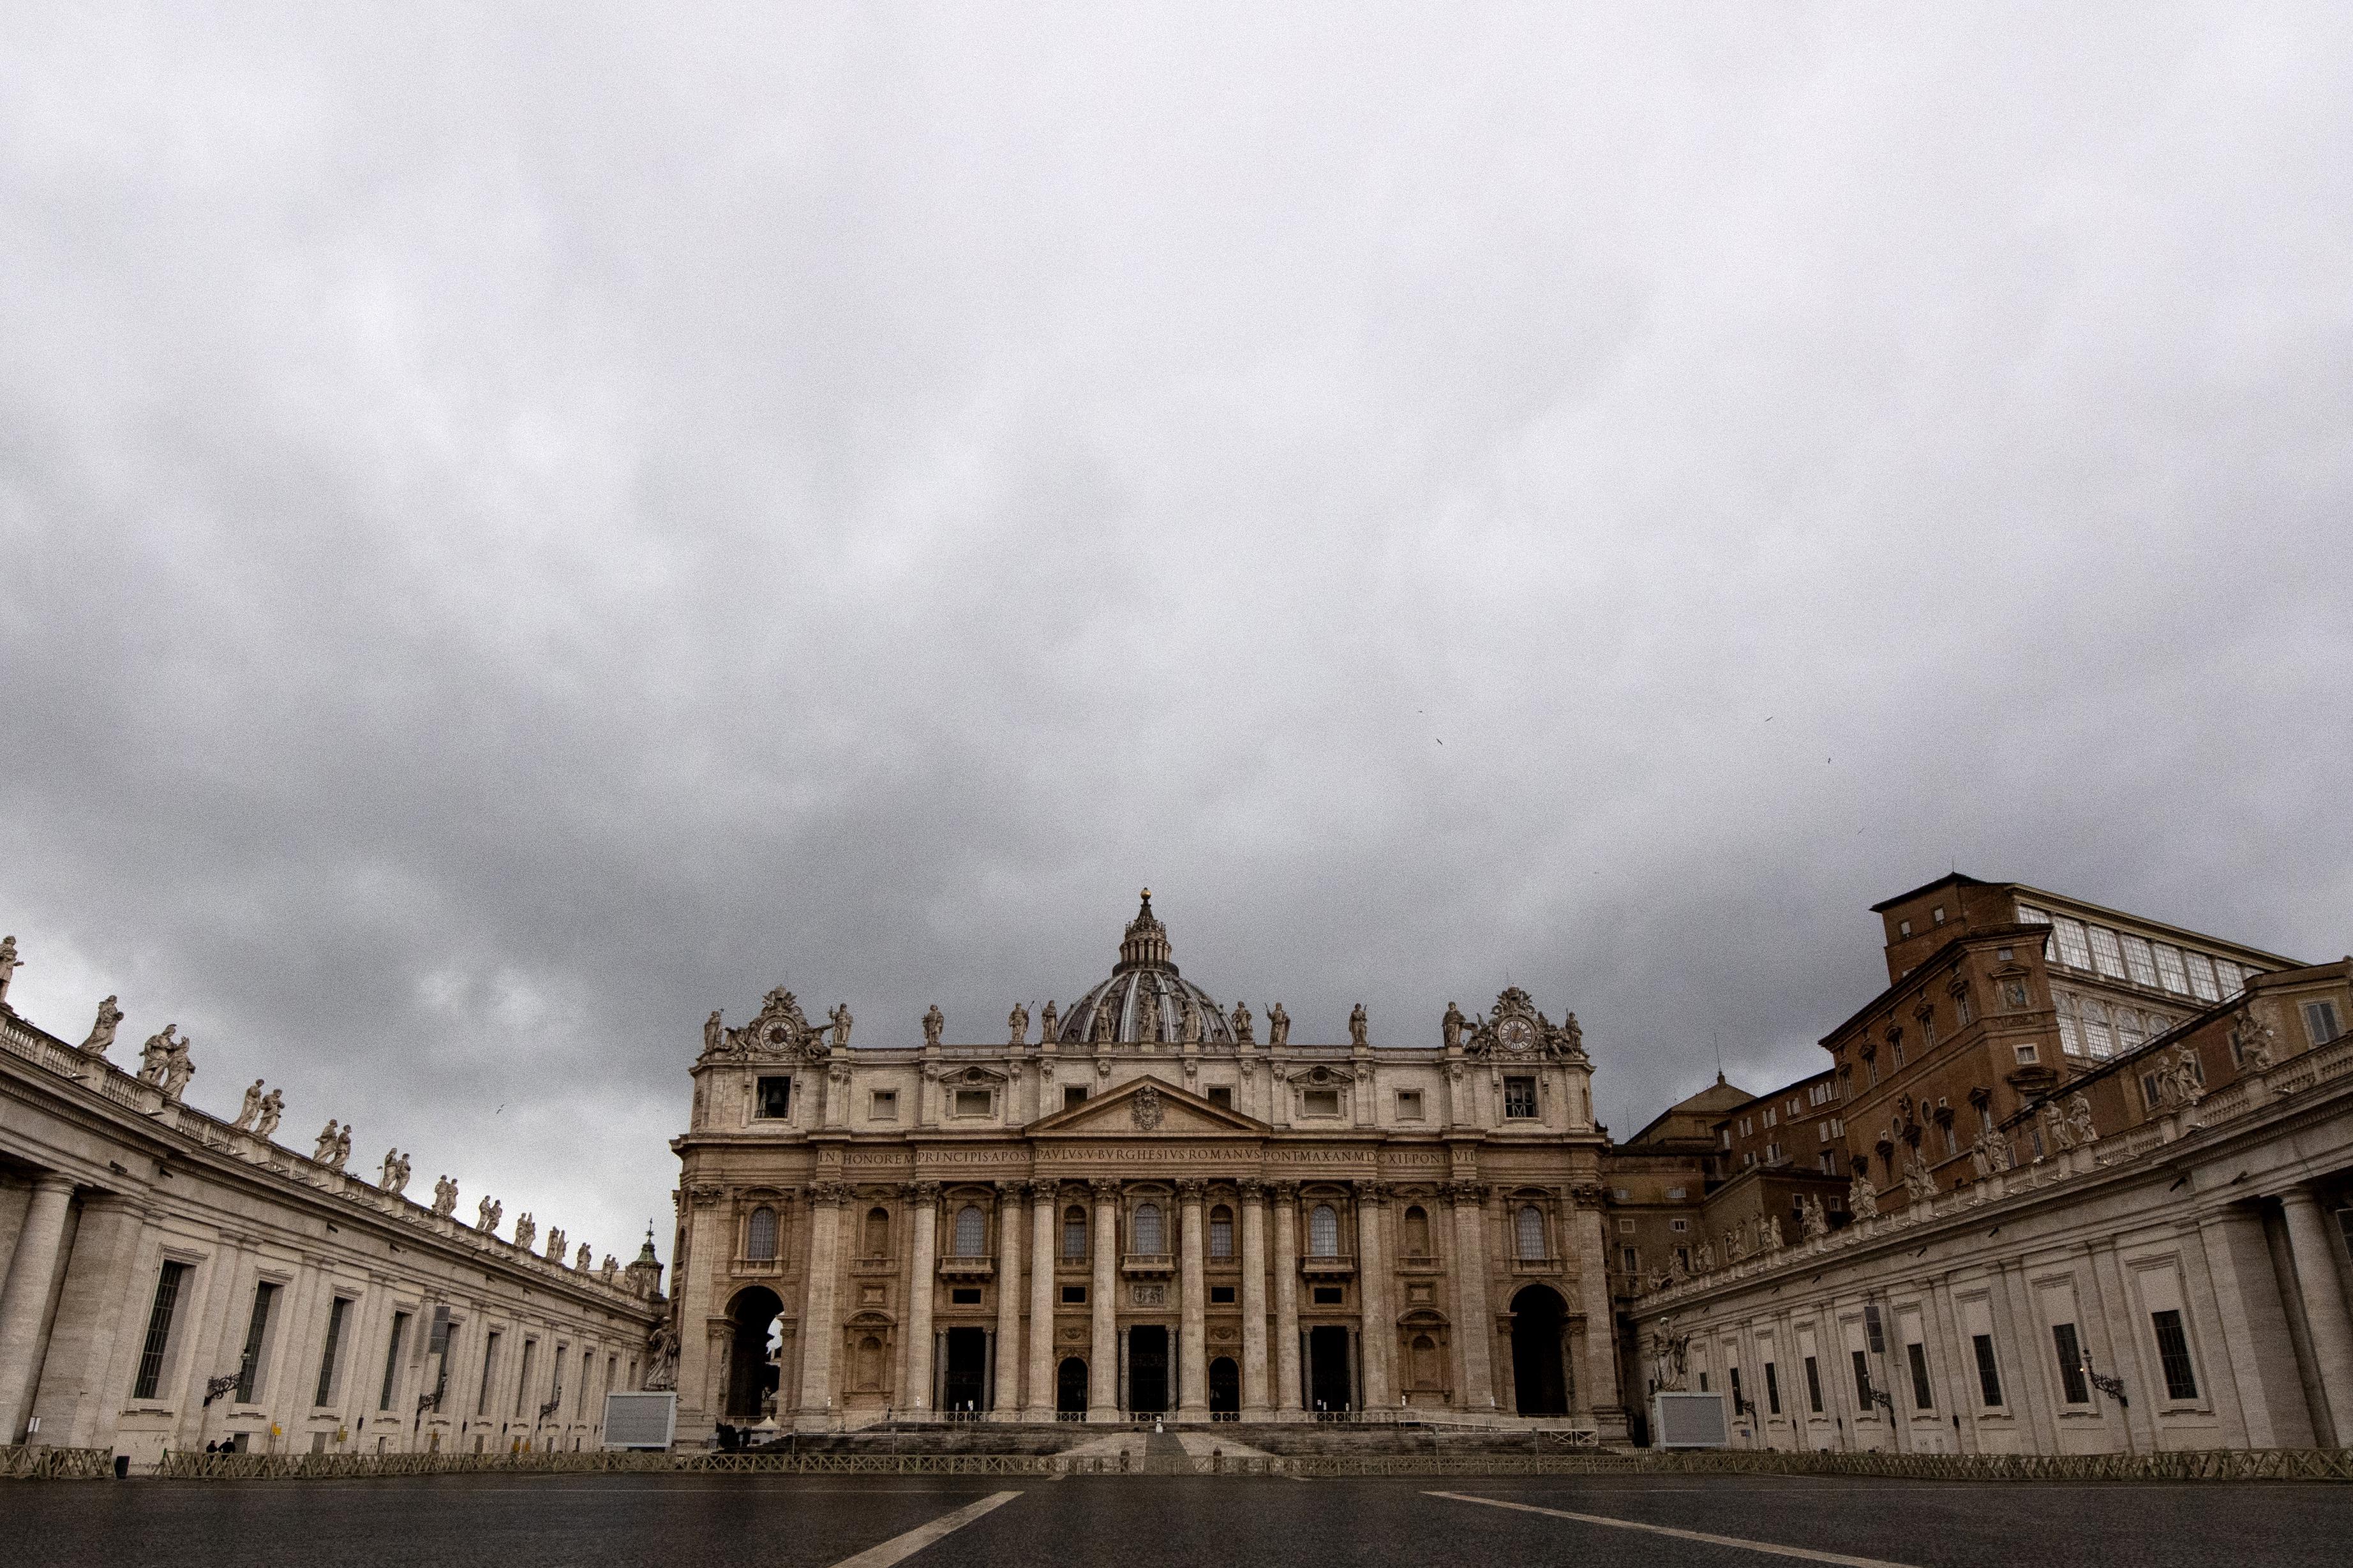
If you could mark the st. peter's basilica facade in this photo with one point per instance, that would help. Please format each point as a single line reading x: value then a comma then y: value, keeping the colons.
x: 1145, y: 1202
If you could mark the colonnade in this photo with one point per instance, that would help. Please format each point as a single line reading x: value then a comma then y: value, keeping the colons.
x: 1022, y: 1380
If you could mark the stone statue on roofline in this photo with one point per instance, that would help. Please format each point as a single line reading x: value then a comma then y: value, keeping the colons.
x: 1147, y: 1013
x: 526, y: 1230
x: 1357, y: 1028
x: 1278, y: 1025
x: 1016, y: 1025
x: 445, y: 1197
x: 101, y: 1033
x: 1242, y: 1023
x: 934, y: 1024
x: 1862, y: 1198
x: 1449, y: 1027
x: 177, y: 1069
x: 250, y: 1108
x: 1049, y: 1022
x: 486, y: 1214
x: 9, y: 964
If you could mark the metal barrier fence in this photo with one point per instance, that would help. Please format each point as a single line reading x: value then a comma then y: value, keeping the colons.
x: 2209, y: 1465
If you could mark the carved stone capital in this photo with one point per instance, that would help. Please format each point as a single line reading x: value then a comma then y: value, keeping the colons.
x: 1009, y: 1191
x: 1252, y: 1190
x: 1467, y: 1193
x: 1285, y: 1192
x: 1105, y: 1188
x: 827, y: 1195
x: 921, y: 1192
x: 1045, y: 1192
x: 702, y: 1195
x: 1586, y: 1195
x: 1372, y: 1192
x: 1190, y: 1189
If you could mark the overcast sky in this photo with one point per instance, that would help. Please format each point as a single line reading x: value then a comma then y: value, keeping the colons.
x: 522, y: 525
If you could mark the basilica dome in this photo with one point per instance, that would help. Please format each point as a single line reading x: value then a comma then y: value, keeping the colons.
x: 1145, y: 997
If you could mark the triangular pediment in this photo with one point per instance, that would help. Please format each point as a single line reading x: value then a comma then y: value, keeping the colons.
x: 1129, y: 1111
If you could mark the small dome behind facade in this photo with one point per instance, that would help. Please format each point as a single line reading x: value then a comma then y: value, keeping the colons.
x: 1144, y: 995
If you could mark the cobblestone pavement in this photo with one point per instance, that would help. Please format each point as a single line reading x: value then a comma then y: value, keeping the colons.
x: 687, y: 1521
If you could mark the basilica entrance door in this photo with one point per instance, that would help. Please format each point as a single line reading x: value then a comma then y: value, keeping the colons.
x: 1070, y: 1387
x: 1224, y: 1386
x: 1147, y: 1369
x: 1329, y: 1384
x: 964, y: 1376
x: 1539, y: 1378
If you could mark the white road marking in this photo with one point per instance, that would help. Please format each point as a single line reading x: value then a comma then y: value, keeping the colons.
x: 1770, y: 1548
x: 899, y: 1548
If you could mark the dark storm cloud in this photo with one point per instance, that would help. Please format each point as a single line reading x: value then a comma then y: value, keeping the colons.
x: 523, y: 528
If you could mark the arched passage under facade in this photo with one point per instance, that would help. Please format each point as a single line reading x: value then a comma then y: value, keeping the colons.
x: 751, y: 1362
x: 1539, y: 1365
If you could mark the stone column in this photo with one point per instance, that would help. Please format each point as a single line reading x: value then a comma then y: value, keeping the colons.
x: 1103, y: 1359
x: 2324, y: 1306
x: 817, y: 1329
x: 1286, y: 1297
x: 1474, y: 1321
x: 1046, y: 1202
x: 1255, y: 1401
x: 1378, y: 1333
x: 923, y: 1209
x: 25, y: 1300
x: 1009, y: 1215
x: 1598, y: 1377
x: 1192, y: 1334
x: 75, y: 1396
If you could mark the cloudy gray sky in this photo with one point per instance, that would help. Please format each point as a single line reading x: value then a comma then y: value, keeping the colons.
x: 521, y: 525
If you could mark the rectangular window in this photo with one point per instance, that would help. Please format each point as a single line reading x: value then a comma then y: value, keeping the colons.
x: 2071, y: 1364
x: 1917, y: 1355
x: 489, y: 1362
x: 392, y: 1360
x: 1075, y: 1295
x: 2098, y: 1042
x: 2173, y: 1354
x: 2229, y: 974
x: 2074, y: 946
x: 335, y: 1316
x: 1222, y: 1095
x: 1328, y: 1296
x: 1772, y: 1390
x: 1073, y: 1094
x: 256, y: 1333
x: 2202, y: 978
x: 1632, y: 1264
x: 1989, y: 1371
x: 974, y: 1102
x: 1813, y: 1387
x: 1519, y: 1097
x: 1736, y: 1388
x: 2139, y: 963
x: 2027, y: 1054
x: 2170, y: 972
x: 1861, y: 1384
x: 1961, y: 1009
x: 2107, y: 953
x: 964, y: 1296
x: 2070, y: 1039
x: 884, y: 1106
x: 523, y: 1383
x: 1319, y: 1102
x: 2320, y: 1025
x: 1409, y: 1105
x: 159, y: 1330
x: 775, y: 1097
x: 1679, y: 1226
x: 1221, y: 1295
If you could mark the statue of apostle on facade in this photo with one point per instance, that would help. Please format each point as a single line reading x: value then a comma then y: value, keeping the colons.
x: 177, y: 1069
x: 1357, y: 1027
x: 1449, y: 1028
x: 445, y: 1197
x: 156, y: 1055
x: 1278, y: 1025
x: 486, y: 1214
x: 934, y: 1021
x: 1016, y: 1025
x: 1147, y: 1013
x: 1242, y: 1023
x: 1047, y: 1022
x: 714, y: 1034
x: 250, y: 1108
x: 841, y: 1020
x: 1862, y: 1198
x: 9, y: 964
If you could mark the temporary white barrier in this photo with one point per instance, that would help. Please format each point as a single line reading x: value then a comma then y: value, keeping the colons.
x: 1689, y: 1421
x: 640, y: 1420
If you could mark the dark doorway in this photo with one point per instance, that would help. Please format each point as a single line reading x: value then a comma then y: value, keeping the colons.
x: 1538, y: 1380
x: 1329, y: 1384
x: 1070, y: 1387
x: 964, y: 1376
x: 1147, y: 1369
x: 751, y: 1362
x: 1224, y: 1386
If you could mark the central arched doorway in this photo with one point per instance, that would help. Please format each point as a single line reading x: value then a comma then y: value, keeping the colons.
x: 752, y: 1355
x: 1070, y: 1387
x: 1539, y: 1373
x: 1225, y: 1387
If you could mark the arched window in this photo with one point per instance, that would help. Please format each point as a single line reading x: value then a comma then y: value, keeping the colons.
x: 1417, y: 1232
x: 760, y: 1236
x: 878, y: 1233
x: 1221, y: 1232
x: 1074, y: 1232
x: 1148, y: 1227
x: 970, y: 1231
x: 1323, y: 1231
x: 1531, y: 1233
